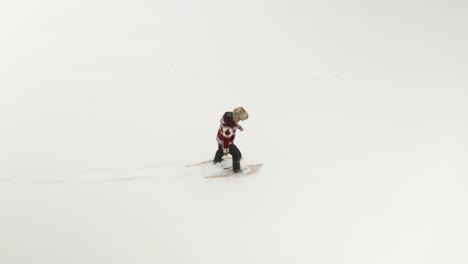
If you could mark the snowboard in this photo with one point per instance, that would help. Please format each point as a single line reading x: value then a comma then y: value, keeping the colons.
x: 248, y: 169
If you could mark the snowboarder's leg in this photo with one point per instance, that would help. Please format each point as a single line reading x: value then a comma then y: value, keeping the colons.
x: 236, y: 157
x: 219, y: 155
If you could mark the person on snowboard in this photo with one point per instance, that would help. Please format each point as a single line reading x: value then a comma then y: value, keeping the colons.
x: 226, y: 136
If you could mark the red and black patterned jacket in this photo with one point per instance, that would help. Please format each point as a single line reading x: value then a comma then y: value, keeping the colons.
x: 227, y: 131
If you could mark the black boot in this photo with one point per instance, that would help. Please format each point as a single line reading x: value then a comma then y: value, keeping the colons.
x: 236, y: 167
x: 219, y: 155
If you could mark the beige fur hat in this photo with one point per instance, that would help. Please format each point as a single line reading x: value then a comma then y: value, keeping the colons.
x: 240, y: 114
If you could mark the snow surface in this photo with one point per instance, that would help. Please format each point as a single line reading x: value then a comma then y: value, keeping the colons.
x: 358, y: 113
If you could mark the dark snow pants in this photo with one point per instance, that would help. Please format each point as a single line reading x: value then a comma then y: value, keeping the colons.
x: 235, y: 153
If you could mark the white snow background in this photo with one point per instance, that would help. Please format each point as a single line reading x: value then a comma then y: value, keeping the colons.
x: 358, y: 111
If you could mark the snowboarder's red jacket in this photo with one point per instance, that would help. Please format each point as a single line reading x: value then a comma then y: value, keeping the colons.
x: 227, y: 131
